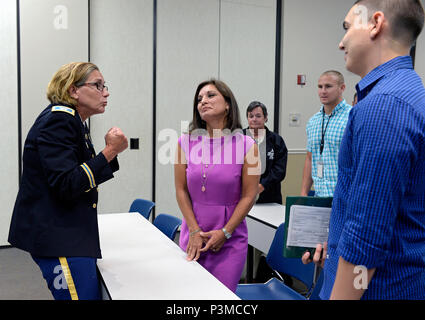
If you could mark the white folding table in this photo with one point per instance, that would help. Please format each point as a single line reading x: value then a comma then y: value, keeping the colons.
x: 262, y: 221
x: 140, y: 262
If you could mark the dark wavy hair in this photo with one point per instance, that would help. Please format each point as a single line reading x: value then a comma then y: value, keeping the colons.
x: 232, y: 118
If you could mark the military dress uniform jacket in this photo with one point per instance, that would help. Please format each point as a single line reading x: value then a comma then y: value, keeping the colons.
x: 55, y: 211
x: 274, y: 153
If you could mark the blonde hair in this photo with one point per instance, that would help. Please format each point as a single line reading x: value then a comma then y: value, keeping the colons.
x: 74, y: 73
x: 335, y: 73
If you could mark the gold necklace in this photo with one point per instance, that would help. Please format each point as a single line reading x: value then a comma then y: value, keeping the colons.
x: 207, y: 167
x: 204, y: 173
x: 204, y: 177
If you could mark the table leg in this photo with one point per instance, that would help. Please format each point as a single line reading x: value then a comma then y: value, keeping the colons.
x: 250, y: 265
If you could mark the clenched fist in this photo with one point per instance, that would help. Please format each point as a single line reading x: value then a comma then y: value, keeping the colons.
x: 116, y: 142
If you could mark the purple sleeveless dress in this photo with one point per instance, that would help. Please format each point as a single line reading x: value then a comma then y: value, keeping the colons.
x: 221, y: 160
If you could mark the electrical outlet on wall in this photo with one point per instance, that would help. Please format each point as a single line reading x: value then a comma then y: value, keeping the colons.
x: 294, y: 119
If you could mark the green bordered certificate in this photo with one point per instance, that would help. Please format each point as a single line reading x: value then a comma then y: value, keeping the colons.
x: 306, y: 224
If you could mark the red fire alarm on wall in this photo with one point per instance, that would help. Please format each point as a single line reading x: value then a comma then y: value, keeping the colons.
x: 301, y: 79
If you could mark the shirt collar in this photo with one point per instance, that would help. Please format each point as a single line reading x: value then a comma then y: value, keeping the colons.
x: 338, y: 107
x: 401, y: 62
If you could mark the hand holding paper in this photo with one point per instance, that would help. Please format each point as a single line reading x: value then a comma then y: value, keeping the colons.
x: 307, y: 225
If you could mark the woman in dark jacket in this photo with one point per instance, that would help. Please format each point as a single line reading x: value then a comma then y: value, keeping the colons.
x: 273, y: 151
x: 55, y: 213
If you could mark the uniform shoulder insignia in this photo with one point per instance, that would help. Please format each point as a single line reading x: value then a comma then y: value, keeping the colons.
x: 63, y: 109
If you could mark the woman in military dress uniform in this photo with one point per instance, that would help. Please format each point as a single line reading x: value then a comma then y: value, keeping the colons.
x: 55, y: 213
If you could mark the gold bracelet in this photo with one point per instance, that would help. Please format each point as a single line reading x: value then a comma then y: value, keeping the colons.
x: 194, y: 232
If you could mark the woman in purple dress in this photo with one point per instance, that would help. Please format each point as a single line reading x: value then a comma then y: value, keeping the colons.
x: 216, y: 178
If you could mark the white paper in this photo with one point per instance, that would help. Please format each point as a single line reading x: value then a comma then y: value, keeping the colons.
x: 308, y: 226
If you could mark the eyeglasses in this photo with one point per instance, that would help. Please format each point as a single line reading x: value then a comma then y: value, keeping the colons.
x: 98, y: 86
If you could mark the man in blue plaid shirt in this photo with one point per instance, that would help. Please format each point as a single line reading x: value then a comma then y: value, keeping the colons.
x: 377, y: 227
x: 324, y: 134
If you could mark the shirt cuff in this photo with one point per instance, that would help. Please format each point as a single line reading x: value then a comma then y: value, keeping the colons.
x: 358, y: 252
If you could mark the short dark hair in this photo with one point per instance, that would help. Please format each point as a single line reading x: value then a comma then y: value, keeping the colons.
x: 232, y: 118
x: 406, y: 17
x: 255, y: 104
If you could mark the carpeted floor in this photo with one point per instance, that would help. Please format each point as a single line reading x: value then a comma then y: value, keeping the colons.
x: 20, y: 277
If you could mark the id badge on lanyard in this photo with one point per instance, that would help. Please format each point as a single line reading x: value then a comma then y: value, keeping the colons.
x: 320, y: 168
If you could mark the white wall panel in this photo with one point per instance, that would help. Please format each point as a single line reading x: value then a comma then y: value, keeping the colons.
x: 121, y: 45
x: 53, y: 32
x: 9, y: 174
x: 188, y: 35
x: 247, y: 52
x: 312, y: 31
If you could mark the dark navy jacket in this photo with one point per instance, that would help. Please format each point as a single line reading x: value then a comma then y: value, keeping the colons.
x: 55, y: 212
x: 275, y: 153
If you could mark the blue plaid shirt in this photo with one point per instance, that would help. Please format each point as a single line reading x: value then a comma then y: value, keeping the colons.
x: 325, y: 186
x: 378, y: 213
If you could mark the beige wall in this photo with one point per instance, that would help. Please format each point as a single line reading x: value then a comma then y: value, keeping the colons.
x: 53, y: 32
x: 121, y: 45
x: 291, y: 186
x: 312, y: 31
x: 9, y: 128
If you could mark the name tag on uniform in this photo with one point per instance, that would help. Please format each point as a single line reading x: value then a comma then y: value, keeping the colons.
x: 320, y: 167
